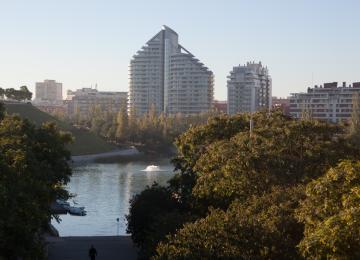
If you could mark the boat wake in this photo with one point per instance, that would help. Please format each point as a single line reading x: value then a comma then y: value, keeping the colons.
x: 152, y: 168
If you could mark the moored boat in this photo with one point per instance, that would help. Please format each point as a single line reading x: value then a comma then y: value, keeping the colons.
x: 78, y: 211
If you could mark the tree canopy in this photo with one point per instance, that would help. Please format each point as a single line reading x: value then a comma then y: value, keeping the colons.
x: 331, y: 214
x: 242, y: 192
x: 33, y: 172
x: 19, y: 95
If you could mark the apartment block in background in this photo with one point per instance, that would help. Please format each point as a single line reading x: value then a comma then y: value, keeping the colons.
x: 220, y: 106
x: 83, y: 100
x: 281, y: 103
x: 249, y: 88
x: 328, y: 102
x: 166, y: 75
x: 49, y: 92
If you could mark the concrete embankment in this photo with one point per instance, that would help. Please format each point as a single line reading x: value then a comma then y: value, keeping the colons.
x: 76, y: 248
x: 132, y: 151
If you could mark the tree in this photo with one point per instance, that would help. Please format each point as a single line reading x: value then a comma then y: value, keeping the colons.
x: 122, y: 124
x: 354, y: 130
x: 227, y: 180
x: 10, y: 93
x: 33, y: 172
x: 280, y: 151
x: 262, y: 228
x: 97, y: 119
x: 24, y: 94
x: 2, y: 93
x: 150, y: 221
x: 331, y: 214
x: 20, y: 95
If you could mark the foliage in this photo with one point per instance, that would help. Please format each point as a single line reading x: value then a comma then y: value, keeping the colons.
x: 354, y: 129
x: 280, y: 151
x: 85, y: 142
x: 150, y: 130
x: 33, y: 171
x: 331, y: 214
x: 20, y: 95
x: 241, y: 190
x: 262, y: 228
x: 194, y: 142
x: 154, y: 213
x: 122, y: 125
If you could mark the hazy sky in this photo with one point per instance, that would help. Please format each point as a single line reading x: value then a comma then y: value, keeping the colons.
x: 83, y: 42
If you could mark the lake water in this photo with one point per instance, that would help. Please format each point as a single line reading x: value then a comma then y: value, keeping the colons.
x: 105, y: 190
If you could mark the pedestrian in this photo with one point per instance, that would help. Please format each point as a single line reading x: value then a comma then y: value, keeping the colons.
x: 92, y: 252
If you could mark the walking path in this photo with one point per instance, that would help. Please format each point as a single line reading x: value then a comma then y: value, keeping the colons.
x: 76, y: 248
x: 92, y: 157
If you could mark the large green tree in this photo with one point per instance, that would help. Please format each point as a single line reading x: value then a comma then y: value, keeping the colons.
x: 280, y: 151
x: 264, y: 227
x: 33, y: 172
x: 224, y: 175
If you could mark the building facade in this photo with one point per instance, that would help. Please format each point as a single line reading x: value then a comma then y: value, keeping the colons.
x: 166, y: 75
x: 220, y: 106
x: 49, y: 92
x: 329, y: 102
x: 281, y: 103
x: 249, y: 88
x: 82, y: 101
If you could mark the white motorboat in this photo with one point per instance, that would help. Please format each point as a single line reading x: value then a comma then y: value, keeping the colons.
x: 152, y: 168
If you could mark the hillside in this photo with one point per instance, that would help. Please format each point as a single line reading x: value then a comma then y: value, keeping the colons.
x: 85, y: 142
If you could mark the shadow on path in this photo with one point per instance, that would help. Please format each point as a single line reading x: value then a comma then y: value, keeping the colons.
x: 76, y: 248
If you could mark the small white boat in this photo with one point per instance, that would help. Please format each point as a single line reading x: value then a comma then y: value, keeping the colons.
x: 78, y: 211
x: 152, y: 168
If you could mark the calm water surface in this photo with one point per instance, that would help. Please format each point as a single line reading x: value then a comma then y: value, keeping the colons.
x: 104, y: 190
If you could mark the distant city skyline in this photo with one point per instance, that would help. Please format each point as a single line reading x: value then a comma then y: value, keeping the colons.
x: 81, y: 43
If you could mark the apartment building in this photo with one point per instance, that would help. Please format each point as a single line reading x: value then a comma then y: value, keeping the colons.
x: 249, y: 88
x: 49, y: 92
x: 329, y: 102
x: 166, y: 75
x: 83, y: 100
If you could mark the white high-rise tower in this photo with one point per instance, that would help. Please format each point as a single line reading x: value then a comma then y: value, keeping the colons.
x: 249, y: 88
x: 165, y: 75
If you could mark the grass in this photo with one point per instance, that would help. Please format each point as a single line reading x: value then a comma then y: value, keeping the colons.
x: 85, y: 141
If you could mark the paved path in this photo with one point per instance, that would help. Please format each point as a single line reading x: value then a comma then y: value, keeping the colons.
x: 76, y: 248
x: 132, y: 151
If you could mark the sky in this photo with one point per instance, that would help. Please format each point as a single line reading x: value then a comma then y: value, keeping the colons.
x: 86, y: 42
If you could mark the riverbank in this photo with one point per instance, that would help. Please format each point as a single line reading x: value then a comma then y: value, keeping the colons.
x: 76, y: 248
x: 128, y: 152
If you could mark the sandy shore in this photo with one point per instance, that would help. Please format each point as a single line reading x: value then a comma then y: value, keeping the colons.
x: 93, y: 157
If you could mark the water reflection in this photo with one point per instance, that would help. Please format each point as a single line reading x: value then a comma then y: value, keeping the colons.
x: 105, y: 190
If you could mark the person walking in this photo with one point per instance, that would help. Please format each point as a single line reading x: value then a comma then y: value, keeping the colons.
x: 92, y: 252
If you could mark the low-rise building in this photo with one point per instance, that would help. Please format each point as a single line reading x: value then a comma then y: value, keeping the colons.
x: 220, y: 106
x: 328, y: 102
x: 83, y: 100
x: 281, y: 103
